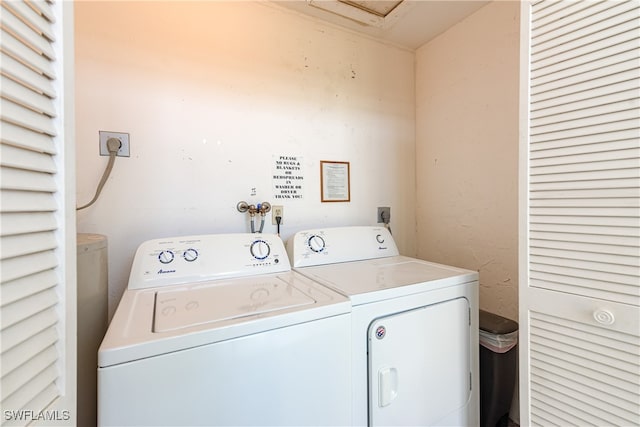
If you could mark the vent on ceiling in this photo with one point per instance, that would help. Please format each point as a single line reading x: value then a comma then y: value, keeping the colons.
x: 379, y: 8
x: 377, y: 13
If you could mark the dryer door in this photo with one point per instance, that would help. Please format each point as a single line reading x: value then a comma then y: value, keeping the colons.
x: 419, y: 366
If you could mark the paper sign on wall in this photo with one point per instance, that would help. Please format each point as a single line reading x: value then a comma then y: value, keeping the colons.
x: 288, y: 179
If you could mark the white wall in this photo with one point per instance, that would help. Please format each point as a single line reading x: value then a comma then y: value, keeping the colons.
x: 209, y: 92
x: 467, y: 151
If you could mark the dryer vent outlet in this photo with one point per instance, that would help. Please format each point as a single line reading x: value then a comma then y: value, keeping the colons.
x: 384, y: 215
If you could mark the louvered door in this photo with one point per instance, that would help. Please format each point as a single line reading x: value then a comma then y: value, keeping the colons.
x: 580, y: 200
x: 37, y: 234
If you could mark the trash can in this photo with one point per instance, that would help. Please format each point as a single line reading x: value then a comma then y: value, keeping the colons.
x: 498, y: 358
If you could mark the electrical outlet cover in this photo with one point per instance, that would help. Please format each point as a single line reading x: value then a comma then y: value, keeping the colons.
x: 124, y: 143
x: 384, y: 215
x: 277, y: 211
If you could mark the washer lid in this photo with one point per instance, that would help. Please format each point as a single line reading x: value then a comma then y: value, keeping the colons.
x: 184, y: 308
x: 208, y: 312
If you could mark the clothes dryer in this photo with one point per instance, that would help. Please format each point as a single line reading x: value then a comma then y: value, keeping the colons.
x: 217, y: 330
x: 414, y: 326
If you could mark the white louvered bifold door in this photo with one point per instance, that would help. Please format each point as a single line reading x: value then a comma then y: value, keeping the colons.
x: 580, y: 225
x: 32, y: 208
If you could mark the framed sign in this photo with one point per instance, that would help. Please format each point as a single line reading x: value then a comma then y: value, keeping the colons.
x: 334, y: 181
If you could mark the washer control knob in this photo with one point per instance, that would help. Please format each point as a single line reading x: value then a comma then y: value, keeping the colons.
x: 166, y: 257
x: 260, y: 249
x: 190, y: 255
x: 316, y: 243
x: 379, y: 238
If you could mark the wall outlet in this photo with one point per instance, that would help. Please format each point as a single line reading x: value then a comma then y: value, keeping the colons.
x: 277, y: 211
x: 384, y: 215
x: 124, y: 143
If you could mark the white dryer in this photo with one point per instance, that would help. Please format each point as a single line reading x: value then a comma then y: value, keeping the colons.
x: 217, y: 330
x: 414, y: 326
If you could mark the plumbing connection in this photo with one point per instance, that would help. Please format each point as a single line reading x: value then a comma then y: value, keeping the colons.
x: 260, y: 208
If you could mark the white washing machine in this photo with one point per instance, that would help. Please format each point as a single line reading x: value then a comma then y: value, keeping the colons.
x: 217, y: 330
x: 414, y: 327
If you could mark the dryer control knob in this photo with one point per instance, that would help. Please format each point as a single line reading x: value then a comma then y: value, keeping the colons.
x: 260, y: 249
x: 316, y: 243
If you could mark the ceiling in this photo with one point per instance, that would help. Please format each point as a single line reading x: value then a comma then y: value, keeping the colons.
x: 408, y: 23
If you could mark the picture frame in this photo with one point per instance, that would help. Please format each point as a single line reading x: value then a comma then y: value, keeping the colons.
x: 335, y: 181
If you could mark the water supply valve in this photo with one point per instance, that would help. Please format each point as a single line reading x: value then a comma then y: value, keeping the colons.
x: 261, y: 208
x: 242, y: 207
x: 264, y: 207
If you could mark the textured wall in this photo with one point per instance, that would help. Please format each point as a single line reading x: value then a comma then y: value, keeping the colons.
x: 210, y: 92
x: 467, y: 151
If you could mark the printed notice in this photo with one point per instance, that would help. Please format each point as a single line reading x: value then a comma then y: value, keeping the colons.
x: 288, y: 179
x: 335, y: 181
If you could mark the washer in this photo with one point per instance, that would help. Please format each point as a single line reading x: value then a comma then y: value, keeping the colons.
x: 414, y: 326
x: 217, y: 330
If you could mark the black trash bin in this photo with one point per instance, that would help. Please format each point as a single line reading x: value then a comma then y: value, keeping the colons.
x: 498, y: 354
